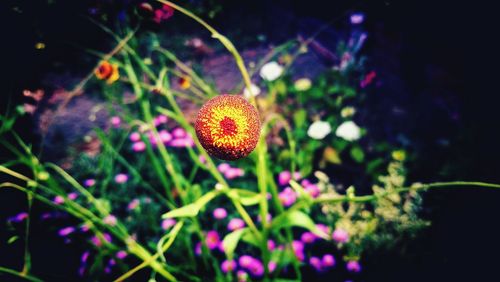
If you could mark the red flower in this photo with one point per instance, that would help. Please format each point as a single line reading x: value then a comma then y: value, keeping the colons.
x: 228, y: 127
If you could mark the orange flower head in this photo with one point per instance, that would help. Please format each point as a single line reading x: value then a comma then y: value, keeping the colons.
x: 107, y: 71
x: 228, y: 127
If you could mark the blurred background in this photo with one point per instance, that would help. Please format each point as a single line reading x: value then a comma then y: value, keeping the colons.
x: 439, y: 59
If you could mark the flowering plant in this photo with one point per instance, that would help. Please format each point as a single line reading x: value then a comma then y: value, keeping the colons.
x: 159, y: 195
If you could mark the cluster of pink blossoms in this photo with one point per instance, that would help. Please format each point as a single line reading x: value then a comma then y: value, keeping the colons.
x: 288, y: 196
x: 229, y: 171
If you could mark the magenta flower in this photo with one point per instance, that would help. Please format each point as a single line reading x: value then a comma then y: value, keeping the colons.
x: 284, y: 177
x: 89, y: 182
x: 133, y: 204
x: 242, y: 276
x: 121, y: 178
x: 66, y: 231
x: 245, y: 261
x: 110, y: 220
x: 167, y: 223
x: 287, y: 196
x: 223, y: 167
x: 213, y: 239
x: 228, y: 266
x: 328, y: 261
x: 121, y: 254
x: 165, y: 136
x: 179, y: 132
x: 271, y: 245
x: 160, y: 120
x: 357, y: 18
x: 202, y: 159
x: 97, y: 241
x: 197, y: 249
x: 138, y: 146
x: 163, y: 14
x: 353, y: 266
x: 256, y: 268
x: 313, y: 190
x: 220, y: 213
x: 235, y: 223
x: 308, y: 237
x: 298, y: 249
x: 340, y: 236
x: 182, y: 142
x: 316, y: 263
x: 85, y: 227
x: 135, y: 136
x: 58, y: 200
x: 116, y: 121
x: 325, y: 229
x: 297, y: 176
x: 72, y: 196
x: 272, y: 266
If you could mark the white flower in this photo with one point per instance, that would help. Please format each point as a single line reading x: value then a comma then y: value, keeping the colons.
x: 254, y: 89
x: 271, y: 71
x: 319, y: 129
x: 303, y: 84
x: 349, y: 131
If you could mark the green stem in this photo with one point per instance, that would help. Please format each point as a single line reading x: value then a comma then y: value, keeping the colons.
x: 20, y: 274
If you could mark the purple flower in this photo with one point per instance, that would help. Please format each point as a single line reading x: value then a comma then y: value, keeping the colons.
x: 228, y: 266
x: 328, y: 261
x: 235, y: 223
x: 121, y: 254
x: 66, y: 231
x: 116, y: 121
x: 316, y: 263
x: 121, y: 178
x: 223, y: 167
x: 167, y: 223
x: 97, y: 241
x: 138, y: 146
x: 298, y: 249
x: 353, y: 266
x: 271, y: 245
x: 308, y: 237
x: 197, y: 249
x: 340, y: 236
x: 287, y: 196
x: 58, y: 200
x: 110, y: 220
x: 256, y: 268
x: 135, y: 136
x: 357, y: 18
x: 284, y: 177
x: 85, y: 256
x: 89, y: 182
x: 220, y: 213
x: 213, y: 239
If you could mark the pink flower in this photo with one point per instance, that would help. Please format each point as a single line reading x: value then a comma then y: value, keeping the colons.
x: 228, y: 266
x: 202, y: 159
x: 313, y: 190
x: 167, y: 223
x: 340, y: 236
x: 72, y: 196
x: 163, y: 14
x: 271, y: 245
x: 353, y: 266
x: 116, y: 121
x: 133, y: 204
x: 212, y: 239
x: 316, y: 263
x: 256, y: 268
x: 179, y: 132
x: 66, y: 231
x: 232, y: 173
x: 328, y: 261
x: 325, y: 229
x: 160, y: 120
x: 138, y: 146
x: 308, y: 237
x: 89, y: 182
x: 165, y: 136
x: 235, y: 223
x: 19, y: 217
x: 182, y: 142
x: 223, y: 167
x: 121, y: 178
x: 58, y: 200
x: 284, y: 177
x: 269, y: 217
x: 245, y: 261
x: 121, y: 254
x: 135, y: 136
x: 110, y: 220
x: 197, y: 249
x: 298, y: 249
x: 220, y: 213
x: 287, y: 196
x: 272, y: 266
x: 357, y: 18
x: 97, y: 241
x: 242, y: 276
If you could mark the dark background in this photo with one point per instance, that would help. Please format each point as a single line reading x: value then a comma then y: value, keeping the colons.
x: 442, y: 51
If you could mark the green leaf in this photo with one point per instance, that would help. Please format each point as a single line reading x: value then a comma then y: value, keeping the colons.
x: 357, y: 154
x: 245, y: 197
x: 12, y: 239
x: 249, y: 237
x: 303, y: 194
x: 192, y: 209
x: 299, y: 117
x: 294, y: 218
x: 231, y: 240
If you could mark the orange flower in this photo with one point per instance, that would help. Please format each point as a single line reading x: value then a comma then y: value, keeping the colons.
x: 185, y: 82
x: 228, y: 127
x: 107, y: 71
